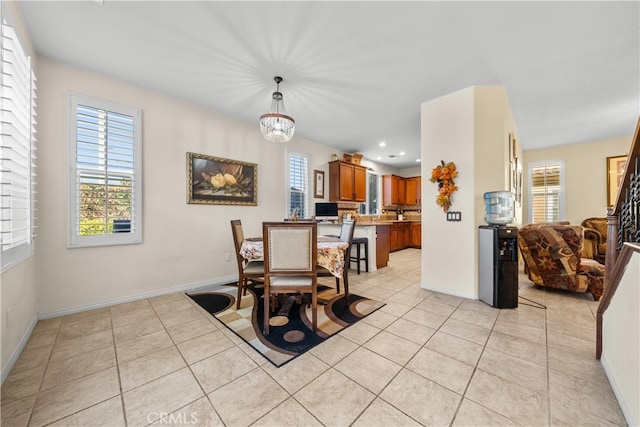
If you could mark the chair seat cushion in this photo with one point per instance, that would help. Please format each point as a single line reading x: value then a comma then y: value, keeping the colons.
x: 323, y: 271
x: 290, y: 281
x: 254, y: 267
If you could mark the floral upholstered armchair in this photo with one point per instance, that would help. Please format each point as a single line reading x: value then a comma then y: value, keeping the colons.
x: 595, y: 235
x: 552, y: 255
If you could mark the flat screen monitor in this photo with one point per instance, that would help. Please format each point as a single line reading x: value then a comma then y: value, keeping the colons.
x: 326, y: 211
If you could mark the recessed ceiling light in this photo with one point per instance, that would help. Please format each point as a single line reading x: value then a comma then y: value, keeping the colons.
x: 378, y: 158
x: 382, y: 144
x: 418, y: 160
x: 402, y: 153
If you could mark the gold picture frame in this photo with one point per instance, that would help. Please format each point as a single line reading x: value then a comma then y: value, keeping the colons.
x: 615, y: 172
x: 318, y: 184
x: 217, y: 181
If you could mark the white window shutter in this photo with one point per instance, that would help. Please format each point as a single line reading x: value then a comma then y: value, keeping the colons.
x: 105, y: 207
x: 299, y: 185
x: 546, y: 192
x: 17, y: 150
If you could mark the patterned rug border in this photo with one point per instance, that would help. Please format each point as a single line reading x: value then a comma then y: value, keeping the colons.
x: 248, y: 330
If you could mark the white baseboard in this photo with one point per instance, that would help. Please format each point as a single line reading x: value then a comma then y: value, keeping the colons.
x: 181, y: 288
x: 449, y: 292
x: 624, y: 406
x: 14, y: 357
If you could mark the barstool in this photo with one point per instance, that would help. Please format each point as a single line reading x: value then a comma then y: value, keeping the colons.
x: 357, y: 241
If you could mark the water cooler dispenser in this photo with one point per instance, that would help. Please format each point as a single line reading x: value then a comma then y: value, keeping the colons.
x: 498, y: 253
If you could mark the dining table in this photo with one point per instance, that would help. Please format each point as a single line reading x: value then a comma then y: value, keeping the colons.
x: 330, y: 252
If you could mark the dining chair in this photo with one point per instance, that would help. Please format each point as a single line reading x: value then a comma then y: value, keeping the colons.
x: 247, y: 270
x: 346, y: 235
x: 290, y: 263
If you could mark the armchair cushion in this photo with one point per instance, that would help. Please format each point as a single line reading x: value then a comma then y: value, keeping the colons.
x: 552, y: 254
x: 595, y: 234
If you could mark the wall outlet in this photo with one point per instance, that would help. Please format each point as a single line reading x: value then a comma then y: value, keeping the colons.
x: 227, y: 256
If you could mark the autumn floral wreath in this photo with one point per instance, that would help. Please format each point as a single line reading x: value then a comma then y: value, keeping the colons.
x: 444, y: 174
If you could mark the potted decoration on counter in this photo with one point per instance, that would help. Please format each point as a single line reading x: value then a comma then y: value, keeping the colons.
x: 444, y: 174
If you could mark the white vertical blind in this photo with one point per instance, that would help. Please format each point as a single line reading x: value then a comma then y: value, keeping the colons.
x: 17, y: 150
x: 298, y: 184
x: 546, y: 192
x: 105, y: 167
x: 105, y: 176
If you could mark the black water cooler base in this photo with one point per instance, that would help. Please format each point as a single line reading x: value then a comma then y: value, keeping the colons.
x: 498, y: 266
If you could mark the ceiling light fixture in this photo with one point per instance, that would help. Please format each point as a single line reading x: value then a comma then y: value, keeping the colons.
x: 276, y: 126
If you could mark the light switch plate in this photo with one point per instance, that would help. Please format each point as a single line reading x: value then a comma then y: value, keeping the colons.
x: 454, y: 216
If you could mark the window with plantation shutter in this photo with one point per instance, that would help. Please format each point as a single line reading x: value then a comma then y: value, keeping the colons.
x: 546, y: 192
x: 105, y: 177
x: 298, y: 184
x: 17, y: 150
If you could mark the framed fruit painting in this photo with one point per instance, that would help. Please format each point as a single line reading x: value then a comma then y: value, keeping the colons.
x: 218, y: 181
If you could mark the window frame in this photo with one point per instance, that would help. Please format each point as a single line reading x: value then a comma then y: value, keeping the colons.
x: 21, y: 140
x: 74, y: 239
x: 306, y: 180
x: 561, y: 191
x: 367, y: 208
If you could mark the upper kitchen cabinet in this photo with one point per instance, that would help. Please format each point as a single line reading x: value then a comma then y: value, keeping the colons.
x: 393, y: 190
x: 347, y: 182
x: 414, y: 190
x: 398, y: 191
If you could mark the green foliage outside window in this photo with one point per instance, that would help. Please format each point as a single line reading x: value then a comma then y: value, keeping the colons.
x: 101, y: 204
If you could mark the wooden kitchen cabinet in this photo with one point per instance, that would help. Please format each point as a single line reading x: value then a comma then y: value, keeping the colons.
x: 347, y: 182
x: 414, y: 190
x: 397, y: 190
x: 403, y: 234
x: 393, y: 237
x: 415, y: 231
x: 399, y: 236
x: 393, y: 190
x: 382, y: 245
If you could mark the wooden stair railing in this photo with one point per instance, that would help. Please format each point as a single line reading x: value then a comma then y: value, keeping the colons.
x: 623, y: 225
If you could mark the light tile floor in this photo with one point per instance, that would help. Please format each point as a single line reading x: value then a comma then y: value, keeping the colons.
x: 423, y: 359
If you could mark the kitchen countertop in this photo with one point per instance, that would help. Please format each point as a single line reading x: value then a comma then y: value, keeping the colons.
x: 388, y: 221
x: 379, y: 222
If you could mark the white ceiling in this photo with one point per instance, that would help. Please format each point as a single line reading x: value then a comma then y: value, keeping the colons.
x: 356, y: 73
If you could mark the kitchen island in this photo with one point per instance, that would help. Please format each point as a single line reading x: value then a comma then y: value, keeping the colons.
x: 383, y: 237
x: 377, y: 235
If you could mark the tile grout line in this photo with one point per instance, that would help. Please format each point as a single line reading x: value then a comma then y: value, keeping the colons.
x: 115, y: 352
x: 475, y: 368
x: 206, y: 395
x: 44, y: 373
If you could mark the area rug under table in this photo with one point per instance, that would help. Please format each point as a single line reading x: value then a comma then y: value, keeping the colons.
x: 295, y: 336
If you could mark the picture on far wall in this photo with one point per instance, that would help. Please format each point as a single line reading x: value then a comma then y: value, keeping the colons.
x: 515, y: 182
x: 615, y: 172
x: 518, y: 182
x: 318, y: 184
x: 217, y: 181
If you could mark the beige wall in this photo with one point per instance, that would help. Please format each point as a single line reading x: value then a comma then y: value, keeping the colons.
x: 585, y: 175
x: 18, y: 287
x: 469, y: 127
